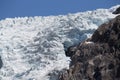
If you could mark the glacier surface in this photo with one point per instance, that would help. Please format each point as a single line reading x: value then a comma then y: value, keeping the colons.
x: 33, y: 48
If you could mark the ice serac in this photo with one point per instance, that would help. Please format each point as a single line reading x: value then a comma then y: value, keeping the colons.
x: 33, y: 48
x: 97, y: 58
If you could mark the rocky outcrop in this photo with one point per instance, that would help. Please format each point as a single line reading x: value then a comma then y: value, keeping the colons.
x: 117, y: 11
x: 97, y: 58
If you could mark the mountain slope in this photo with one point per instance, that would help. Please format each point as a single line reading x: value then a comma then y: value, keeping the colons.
x: 97, y: 58
x: 32, y: 48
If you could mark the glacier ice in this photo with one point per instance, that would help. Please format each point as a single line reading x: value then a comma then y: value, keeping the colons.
x: 31, y: 48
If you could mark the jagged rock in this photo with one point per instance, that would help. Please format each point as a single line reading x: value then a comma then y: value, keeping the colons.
x: 117, y: 11
x: 97, y: 58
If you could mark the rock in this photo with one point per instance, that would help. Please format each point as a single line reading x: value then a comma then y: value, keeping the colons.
x: 71, y: 51
x: 97, y: 58
x: 117, y: 11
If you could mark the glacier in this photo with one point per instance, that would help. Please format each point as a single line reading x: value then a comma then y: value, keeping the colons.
x: 33, y: 48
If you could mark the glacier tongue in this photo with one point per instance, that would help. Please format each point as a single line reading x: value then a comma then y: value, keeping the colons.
x: 33, y: 47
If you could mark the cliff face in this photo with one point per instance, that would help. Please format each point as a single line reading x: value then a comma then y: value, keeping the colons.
x: 97, y: 58
x: 117, y: 11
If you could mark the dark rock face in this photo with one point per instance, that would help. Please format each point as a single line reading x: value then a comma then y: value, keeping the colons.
x: 117, y: 11
x: 97, y: 58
